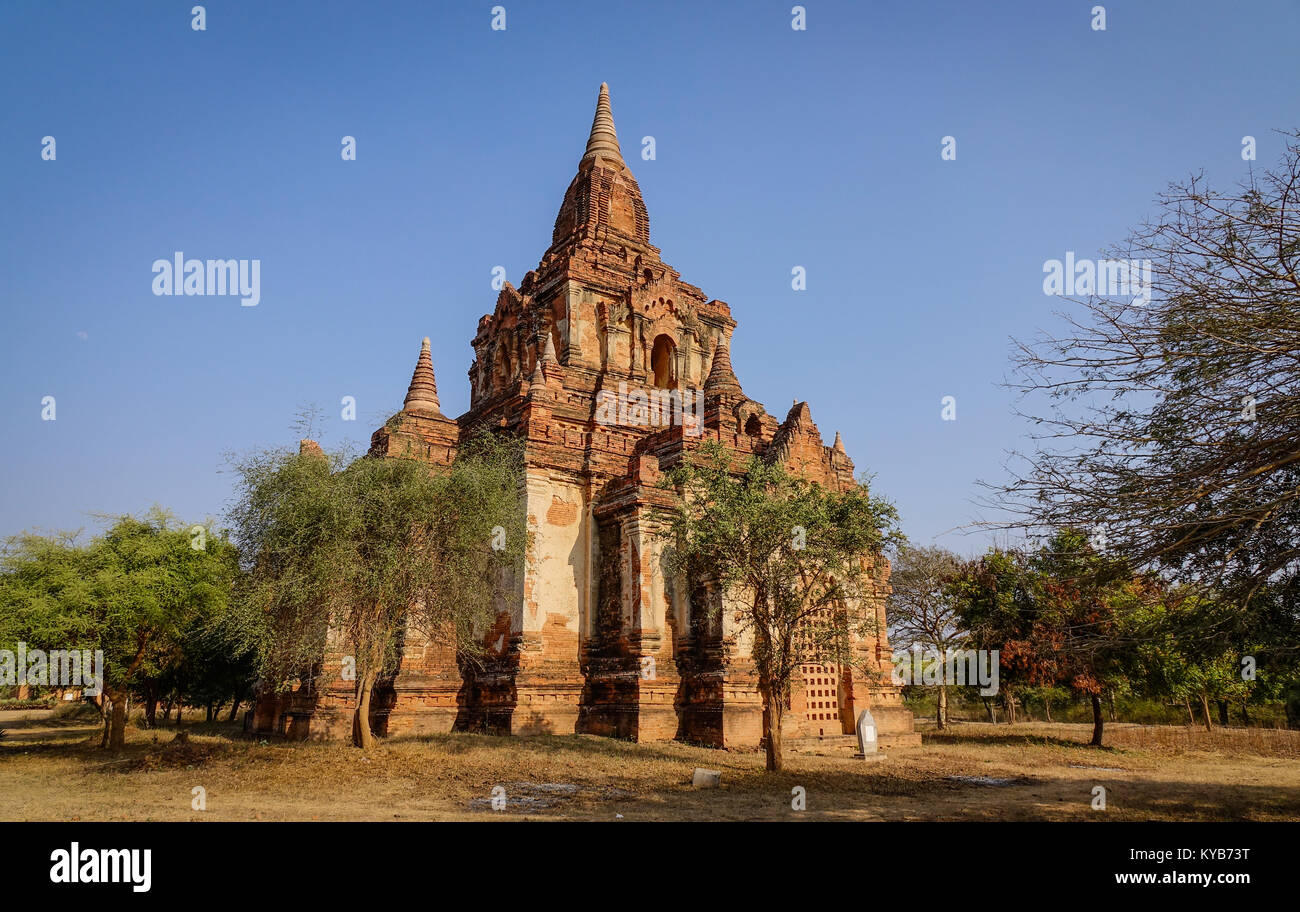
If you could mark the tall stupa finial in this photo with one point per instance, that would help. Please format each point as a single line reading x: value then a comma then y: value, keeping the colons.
x: 422, y: 396
x: 603, y: 141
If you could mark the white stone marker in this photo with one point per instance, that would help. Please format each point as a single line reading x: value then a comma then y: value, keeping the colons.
x: 866, y: 733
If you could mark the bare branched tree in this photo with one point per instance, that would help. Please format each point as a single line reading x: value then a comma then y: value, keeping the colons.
x: 1170, y: 428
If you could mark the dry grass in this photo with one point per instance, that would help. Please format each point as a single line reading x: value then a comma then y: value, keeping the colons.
x: 53, y: 771
x: 1264, y: 742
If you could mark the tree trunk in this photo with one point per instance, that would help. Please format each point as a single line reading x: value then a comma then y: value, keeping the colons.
x: 988, y: 708
x: 106, y: 708
x: 1097, y: 720
x: 1223, y: 713
x: 117, y: 731
x: 362, y: 737
x: 1047, y: 708
x: 770, y: 691
x: 1111, y: 699
x: 1245, y: 713
x: 1191, y: 719
x: 1205, y: 712
x: 941, y: 716
x: 772, y: 710
x: 234, y: 710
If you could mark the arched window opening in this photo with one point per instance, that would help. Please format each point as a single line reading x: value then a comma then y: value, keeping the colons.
x: 754, y: 427
x: 663, y: 362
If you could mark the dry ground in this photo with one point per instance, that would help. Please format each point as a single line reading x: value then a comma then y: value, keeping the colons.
x: 49, y: 770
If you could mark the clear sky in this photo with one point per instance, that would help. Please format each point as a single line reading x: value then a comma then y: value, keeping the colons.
x: 774, y: 148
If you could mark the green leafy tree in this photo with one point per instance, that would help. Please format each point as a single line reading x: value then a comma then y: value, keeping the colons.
x: 135, y: 593
x: 210, y: 669
x: 995, y: 598
x: 1056, y: 615
x: 362, y: 550
x: 795, y: 562
x: 1047, y: 695
x: 42, y: 583
x: 1189, y: 647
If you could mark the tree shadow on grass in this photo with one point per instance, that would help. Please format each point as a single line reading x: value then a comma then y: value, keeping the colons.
x: 80, y: 744
x: 960, y: 738
x: 63, y: 716
x: 835, y: 795
x: 36, y: 736
x: 591, y: 745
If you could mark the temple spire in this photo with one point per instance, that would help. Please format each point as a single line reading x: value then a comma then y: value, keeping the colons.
x: 839, y: 443
x: 603, y: 141
x: 722, y: 379
x: 422, y: 395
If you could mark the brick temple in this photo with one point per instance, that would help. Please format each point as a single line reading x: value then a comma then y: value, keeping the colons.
x: 595, y: 640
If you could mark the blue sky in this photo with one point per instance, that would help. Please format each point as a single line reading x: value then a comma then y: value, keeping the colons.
x: 774, y: 148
